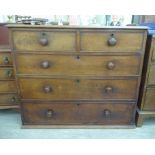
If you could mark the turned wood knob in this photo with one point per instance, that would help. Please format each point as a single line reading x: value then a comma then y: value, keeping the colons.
x: 78, y: 57
x: 45, y: 64
x: 107, y: 113
x: 47, y: 89
x: 112, y: 40
x: 110, y: 65
x: 6, y: 60
x: 9, y: 73
x: 13, y: 99
x: 108, y: 89
x: 43, y: 40
x: 49, y: 113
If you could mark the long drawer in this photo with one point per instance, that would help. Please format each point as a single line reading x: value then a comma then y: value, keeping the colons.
x: 76, y: 89
x: 9, y: 99
x: 6, y: 73
x: 82, y: 114
x: 8, y: 86
x: 149, y: 102
x: 66, y: 40
x: 5, y: 59
x: 78, y: 65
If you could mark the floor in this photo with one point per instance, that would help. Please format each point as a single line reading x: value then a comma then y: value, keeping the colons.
x: 10, y: 128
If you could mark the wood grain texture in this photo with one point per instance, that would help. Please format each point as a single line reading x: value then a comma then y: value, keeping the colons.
x: 153, y: 49
x: 6, y: 73
x: 74, y: 89
x: 78, y: 65
x: 7, y: 86
x: 8, y: 99
x: 146, y: 102
x: 5, y: 59
x: 66, y: 75
x: 57, y: 41
x: 97, y: 41
x: 70, y: 113
x: 149, y: 99
x: 151, y: 76
x: 8, y: 96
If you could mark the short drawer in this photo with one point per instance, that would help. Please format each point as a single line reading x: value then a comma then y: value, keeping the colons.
x: 151, y: 77
x: 78, y: 65
x: 44, y: 40
x: 5, y: 59
x: 76, y: 89
x: 8, y: 86
x: 6, y: 73
x: 8, y: 99
x: 112, y: 41
x: 71, y: 113
x: 149, y: 102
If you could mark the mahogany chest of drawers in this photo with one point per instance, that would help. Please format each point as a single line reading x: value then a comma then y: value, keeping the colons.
x: 78, y: 76
x: 146, y: 101
x: 8, y: 89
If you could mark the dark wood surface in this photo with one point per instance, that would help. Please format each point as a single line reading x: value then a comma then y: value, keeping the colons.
x: 71, y: 113
x: 79, y: 72
x: 151, y: 75
x: 146, y: 103
x: 5, y: 59
x: 74, y: 89
x: 67, y: 40
x: 8, y: 89
x: 92, y: 65
x: 7, y: 73
x: 149, y: 99
x: 7, y: 86
x: 8, y: 99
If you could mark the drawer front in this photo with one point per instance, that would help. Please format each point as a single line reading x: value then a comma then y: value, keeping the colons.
x: 7, y: 86
x: 70, y: 113
x: 5, y: 59
x: 6, y: 73
x: 76, y: 89
x: 8, y: 99
x: 111, y: 41
x: 149, y: 103
x: 44, y: 41
x: 151, y: 77
x: 77, y: 65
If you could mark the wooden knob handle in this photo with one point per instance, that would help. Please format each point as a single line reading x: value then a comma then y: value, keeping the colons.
x: 47, y: 89
x: 108, y: 89
x: 13, y: 99
x: 107, y: 113
x: 6, y: 60
x: 110, y: 65
x: 49, y: 113
x: 112, y: 40
x: 78, y: 57
x: 45, y: 64
x: 9, y: 73
x: 43, y: 40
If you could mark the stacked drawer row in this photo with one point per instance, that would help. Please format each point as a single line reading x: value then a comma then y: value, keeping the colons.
x: 78, y: 76
x: 8, y: 90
